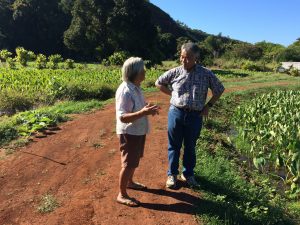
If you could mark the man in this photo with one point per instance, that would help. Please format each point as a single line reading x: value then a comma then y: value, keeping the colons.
x: 189, y: 86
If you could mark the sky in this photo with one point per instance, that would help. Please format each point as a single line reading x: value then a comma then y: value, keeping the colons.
x: 276, y: 21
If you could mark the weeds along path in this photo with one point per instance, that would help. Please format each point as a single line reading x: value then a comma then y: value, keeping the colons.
x: 79, y: 167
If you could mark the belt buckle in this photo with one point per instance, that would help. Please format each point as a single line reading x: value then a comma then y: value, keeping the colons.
x: 187, y: 109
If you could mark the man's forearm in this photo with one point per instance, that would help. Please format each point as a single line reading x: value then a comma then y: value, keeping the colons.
x: 164, y: 89
x: 214, y: 98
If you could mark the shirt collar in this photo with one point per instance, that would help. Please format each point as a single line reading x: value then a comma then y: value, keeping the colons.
x: 195, y: 68
x: 132, y: 86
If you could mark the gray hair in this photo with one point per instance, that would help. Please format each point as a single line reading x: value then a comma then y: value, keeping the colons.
x: 131, y: 68
x: 191, y: 47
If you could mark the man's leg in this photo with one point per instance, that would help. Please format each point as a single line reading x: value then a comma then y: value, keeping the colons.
x: 192, y: 128
x: 175, y: 137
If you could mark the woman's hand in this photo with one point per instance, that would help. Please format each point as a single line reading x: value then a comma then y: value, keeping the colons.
x: 151, y: 109
x: 148, y: 109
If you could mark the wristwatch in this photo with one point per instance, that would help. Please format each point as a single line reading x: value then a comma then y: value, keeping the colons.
x: 209, y: 104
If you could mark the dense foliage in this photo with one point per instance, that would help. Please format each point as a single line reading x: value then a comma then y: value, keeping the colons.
x: 271, y: 124
x: 25, y: 88
x: 93, y: 30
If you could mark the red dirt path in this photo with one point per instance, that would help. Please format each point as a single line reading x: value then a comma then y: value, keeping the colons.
x: 80, y: 164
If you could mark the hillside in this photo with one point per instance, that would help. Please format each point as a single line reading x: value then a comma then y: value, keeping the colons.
x: 168, y: 25
x: 91, y: 30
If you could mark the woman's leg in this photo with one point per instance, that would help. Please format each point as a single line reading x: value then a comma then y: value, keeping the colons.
x: 123, y: 197
x: 126, y: 175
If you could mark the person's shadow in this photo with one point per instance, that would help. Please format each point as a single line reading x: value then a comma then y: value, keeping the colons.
x: 189, y: 204
x: 193, y: 205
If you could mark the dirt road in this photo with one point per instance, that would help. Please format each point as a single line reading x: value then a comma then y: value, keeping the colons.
x: 79, y: 165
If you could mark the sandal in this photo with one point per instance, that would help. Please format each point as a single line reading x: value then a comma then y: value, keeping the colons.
x: 137, y: 186
x: 131, y: 202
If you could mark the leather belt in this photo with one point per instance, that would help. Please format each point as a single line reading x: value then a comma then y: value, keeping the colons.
x: 186, y: 109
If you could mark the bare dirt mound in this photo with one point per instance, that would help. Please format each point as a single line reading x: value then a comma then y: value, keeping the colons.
x: 79, y: 166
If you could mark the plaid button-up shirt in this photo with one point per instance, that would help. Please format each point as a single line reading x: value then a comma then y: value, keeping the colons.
x: 189, y: 89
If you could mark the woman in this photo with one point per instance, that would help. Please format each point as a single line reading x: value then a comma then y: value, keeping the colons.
x: 132, y: 125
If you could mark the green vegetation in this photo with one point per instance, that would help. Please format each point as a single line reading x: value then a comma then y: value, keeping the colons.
x: 48, y: 204
x: 270, y: 124
x: 96, y: 30
x: 232, y: 192
x: 26, y: 88
x: 30, y: 122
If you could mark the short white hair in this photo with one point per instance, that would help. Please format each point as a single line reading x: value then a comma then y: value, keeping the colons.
x: 192, y: 48
x: 131, y: 68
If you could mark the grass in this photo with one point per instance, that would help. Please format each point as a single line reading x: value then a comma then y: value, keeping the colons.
x: 59, y: 112
x: 255, y: 78
x: 47, y: 204
x: 232, y: 192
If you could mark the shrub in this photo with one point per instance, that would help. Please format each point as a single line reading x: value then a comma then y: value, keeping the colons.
x: 252, y: 66
x: 149, y: 64
x: 7, y: 132
x: 31, y: 56
x: 12, y: 101
x: 81, y: 91
x: 5, y: 54
x: 41, y: 61
x: 54, y: 60
x: 11, y: 63
x: 118, y: 58
x: 294, y: 72
x: 22, y: 56
x: 69, y: 64
x: 105, y: 62
x: 52, y: 65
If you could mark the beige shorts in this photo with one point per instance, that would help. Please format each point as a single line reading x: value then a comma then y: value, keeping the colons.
x: 132, y: 149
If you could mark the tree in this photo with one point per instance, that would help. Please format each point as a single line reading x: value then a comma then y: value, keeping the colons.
x: 5, y: 24
x: 271, y: 51
x: 290, y: 54
x: 38, y: 25
x: 130, y: 29
x: 246, y: 51
x: 88, y: 28
x: 167, y: 44
x: 214, y: 45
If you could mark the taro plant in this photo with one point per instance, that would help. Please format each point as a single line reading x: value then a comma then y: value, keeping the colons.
x: 22, y: 56
x: 41, y: 61
x: 32, y: 121
x: 5, y: 54
x: 54, y: 60
x: 271, y: 124
x: 69, y: 64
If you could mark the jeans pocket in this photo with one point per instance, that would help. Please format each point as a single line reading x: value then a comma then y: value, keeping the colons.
x: 172, y: 107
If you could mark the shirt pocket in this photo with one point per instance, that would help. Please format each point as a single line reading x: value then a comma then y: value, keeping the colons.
x: 180, y: 86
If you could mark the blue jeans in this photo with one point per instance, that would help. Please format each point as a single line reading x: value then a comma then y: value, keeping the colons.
x: 183, y: 127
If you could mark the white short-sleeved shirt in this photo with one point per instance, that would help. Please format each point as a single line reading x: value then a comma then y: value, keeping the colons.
x: 129, y: 98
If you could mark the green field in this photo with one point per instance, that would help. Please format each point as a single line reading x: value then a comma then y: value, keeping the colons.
x: 252, y: 137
